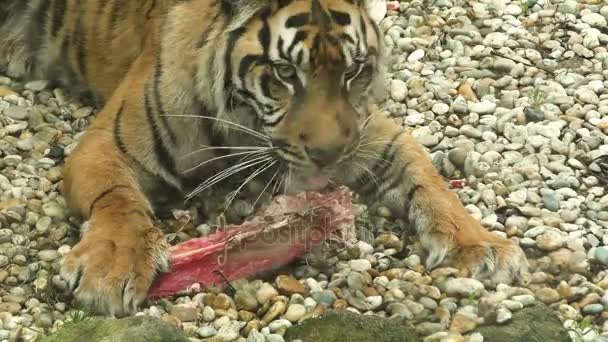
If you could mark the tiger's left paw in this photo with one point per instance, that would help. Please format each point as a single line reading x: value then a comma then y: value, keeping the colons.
x: 491, y: 258
x: 476, y: 252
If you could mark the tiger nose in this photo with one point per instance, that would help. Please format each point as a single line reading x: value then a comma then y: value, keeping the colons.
x: 324, y: 156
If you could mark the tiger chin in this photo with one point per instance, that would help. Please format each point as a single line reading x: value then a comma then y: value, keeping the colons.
x: 199, y: 92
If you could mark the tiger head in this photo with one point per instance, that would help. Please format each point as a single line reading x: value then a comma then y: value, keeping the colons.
x: 307, y: 69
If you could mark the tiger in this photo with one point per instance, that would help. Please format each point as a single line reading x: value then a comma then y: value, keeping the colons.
x: 194, y: 92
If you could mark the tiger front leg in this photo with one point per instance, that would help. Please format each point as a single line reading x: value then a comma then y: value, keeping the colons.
x: 406, y: 181
x: 112, y: 267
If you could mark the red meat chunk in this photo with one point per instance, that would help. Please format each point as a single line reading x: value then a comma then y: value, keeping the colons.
x: 282, y: 232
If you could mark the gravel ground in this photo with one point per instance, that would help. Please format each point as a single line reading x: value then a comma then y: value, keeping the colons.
x: 511, y: 99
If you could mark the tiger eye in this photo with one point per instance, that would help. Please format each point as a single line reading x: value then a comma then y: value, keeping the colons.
x: 285, y: 70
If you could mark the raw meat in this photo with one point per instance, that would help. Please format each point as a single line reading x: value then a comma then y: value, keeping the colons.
x: 285, y: 230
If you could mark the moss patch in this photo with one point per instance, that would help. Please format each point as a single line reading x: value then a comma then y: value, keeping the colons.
x: 131, y: 329
x: 346, y: 326
x: 534, y: 324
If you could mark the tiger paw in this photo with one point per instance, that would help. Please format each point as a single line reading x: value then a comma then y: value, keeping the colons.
x: 111, y: 269
x: 477, y: 253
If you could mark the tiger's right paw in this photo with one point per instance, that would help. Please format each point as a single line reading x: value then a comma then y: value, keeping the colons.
x: 111, y: 269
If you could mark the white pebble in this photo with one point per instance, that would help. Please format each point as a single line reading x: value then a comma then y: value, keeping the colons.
x: 360, y: 265
x: 463, y: 287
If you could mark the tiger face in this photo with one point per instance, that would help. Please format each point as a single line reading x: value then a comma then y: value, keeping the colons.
x: 306, y: 68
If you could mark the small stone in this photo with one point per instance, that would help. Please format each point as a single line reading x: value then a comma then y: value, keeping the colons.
x: 550, y: 241
x: 415, y: 56
x: 4, y: 91
x: 16, y: 112
x: 463, y: 287
x: 279, y: 324
x: 398, y: 90
x: 513, y: 10
x: 206, y: 331
x: 82, y: 112
x: 526, y: 300
x: 266, y: 293
x: 229, y: 331
x: 356, y: 281
x: 601, y: 254
x: 37, y: 85
x: 256, y: 336
x: 184, y: 312
x: 440, y: 108
x: 325, y: 297
x: 547, y: 295
x: 274, y: 338
x: 483, y: 107
x: 463, y: 324
x: 503, y: 315
x: 288, y: 285
x: 388, y: 240
x: 277, y: 309
x: 245, y: 300
x: 10, y: 307
x: 593, y: 309
x: 374, y: 302
x: 512, y: 305
x: 295, y: 312
x: 360, y: 265
x: 594, y: 19
x: 49, y: 255
x: 208, y: 314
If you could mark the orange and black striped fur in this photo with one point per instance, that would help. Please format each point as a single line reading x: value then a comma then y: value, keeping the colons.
x: 285, y: 85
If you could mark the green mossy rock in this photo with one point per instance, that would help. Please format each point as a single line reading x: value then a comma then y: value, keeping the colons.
x: 533, y: 324
x: 131, y: 329
x: 346, y: 326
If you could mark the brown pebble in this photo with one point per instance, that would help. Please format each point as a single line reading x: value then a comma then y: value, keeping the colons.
x: 230, y: 313
x: 467, y: 92
x: 337, y: 291
x: 370, y: 291
x: 222, y: 302
x: 315, y: 312
x: 208, y: 299
x: 253, y: 324
x: 5, y: 91
x: 564, y: 290
x: 278, y: 308
x: 246, y: 316
x: 463, y: 324
x: 389, y: 240
x: 184, y: 312
x: 10, y: 307
x: 172, y: 320
x: 591, y: 298
x: 512, y: 231
x: 289, y: 285
x: 393, y: 273
x: 373, y: 272
x: 340, y: 304
x: 603, y: 283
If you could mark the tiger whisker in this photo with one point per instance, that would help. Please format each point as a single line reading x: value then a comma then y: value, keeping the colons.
x: 210, y: 148
x: 260, y: 170
x: 221, y: 157
x: 277, y: 184
x: 227, y: 173
x: 228, y: 122
x: 365, y: 122
x: 369, y: 155
x: 369, y: 172
x: 266, y: 187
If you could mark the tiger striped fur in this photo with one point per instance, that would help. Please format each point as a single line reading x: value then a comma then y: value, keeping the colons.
x: 289, y: 83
